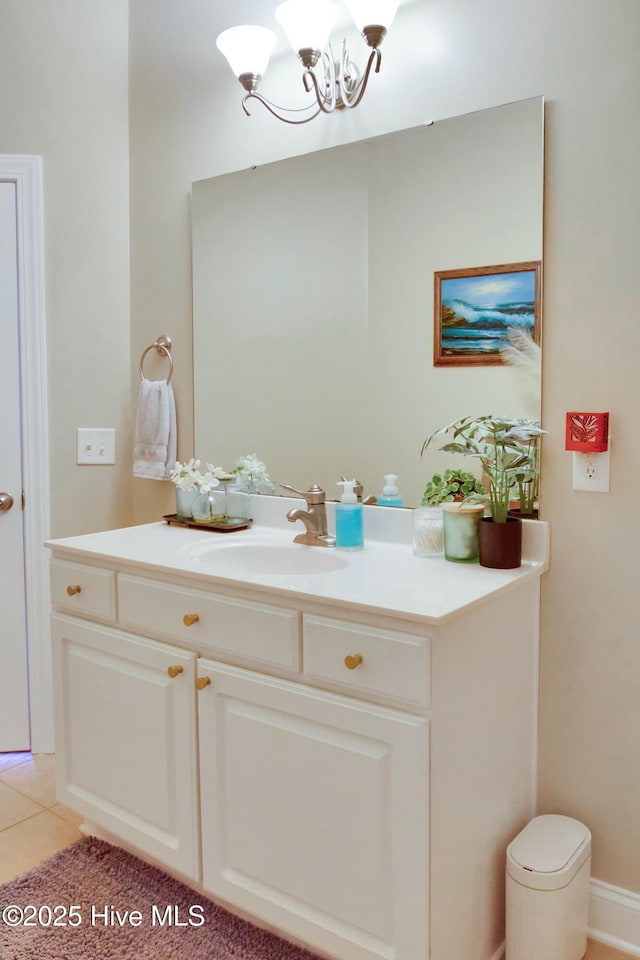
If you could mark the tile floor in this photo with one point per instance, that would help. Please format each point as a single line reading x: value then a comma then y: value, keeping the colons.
x: 598, y: 951
x: 33, y: 826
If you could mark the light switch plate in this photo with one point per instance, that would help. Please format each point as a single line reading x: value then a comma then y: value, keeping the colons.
x: 96, y: 446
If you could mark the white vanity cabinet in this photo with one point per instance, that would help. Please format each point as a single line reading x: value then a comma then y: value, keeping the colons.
x: 345, y: 775
x: 126, y: 738
x: 313, y: 805
x: 314, y: 813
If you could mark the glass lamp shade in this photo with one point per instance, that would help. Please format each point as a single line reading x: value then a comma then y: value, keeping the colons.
x: 247, y: 48
x: 368, y: 13
x: 307, y: 24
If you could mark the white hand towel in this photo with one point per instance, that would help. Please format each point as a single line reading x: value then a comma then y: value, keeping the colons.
x: 155, y: 441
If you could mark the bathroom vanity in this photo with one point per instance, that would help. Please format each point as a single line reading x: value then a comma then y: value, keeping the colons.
x: 336, y: 745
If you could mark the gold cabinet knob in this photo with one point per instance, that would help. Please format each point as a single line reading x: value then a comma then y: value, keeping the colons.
x: 202, y: 682
x: 353, y: 660
x: 72, y: 589
x: 190, y: 618
x: 175, y: 671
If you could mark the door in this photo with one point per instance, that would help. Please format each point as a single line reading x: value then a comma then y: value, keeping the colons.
x: 315, y: 813
x: 125, y: 720
x: 14, y: 690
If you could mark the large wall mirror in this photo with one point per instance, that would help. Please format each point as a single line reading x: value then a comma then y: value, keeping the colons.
x: 314, y: 290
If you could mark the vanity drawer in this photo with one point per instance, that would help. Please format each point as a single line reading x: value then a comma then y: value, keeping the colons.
x: 366, y: 660
x: 88, y: 591
x: 233, y: 628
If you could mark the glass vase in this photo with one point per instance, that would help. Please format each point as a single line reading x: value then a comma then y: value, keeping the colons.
x: 209, y: 507
x: 184, y: 503
x: 428, y: 531
x: 262, y: 486
x: 238, y: 500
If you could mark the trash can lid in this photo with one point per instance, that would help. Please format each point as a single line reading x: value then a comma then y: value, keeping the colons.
x: 548, y: 852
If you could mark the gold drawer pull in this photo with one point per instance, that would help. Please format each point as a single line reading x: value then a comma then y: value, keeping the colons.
x: 353, y: 660
x: 202, y: 682
x: 175, y: 671
x: 72, y: 589
x: 190, y: 618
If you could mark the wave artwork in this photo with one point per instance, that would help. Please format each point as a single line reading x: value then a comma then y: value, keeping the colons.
x: 477, y: 309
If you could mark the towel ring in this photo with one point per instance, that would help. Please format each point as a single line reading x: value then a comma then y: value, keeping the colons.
x: 163, y: 346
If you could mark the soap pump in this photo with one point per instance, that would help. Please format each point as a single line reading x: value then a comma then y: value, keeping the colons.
x: 390, y: 496
x: 349, y: 518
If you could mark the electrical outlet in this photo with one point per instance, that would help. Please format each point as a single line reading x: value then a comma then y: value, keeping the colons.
x: 591, y: 472
x: 96, y: 446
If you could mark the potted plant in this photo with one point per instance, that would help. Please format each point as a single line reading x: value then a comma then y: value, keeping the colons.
x: 502, y: 447
x: 447, y: 490
x: 449, y: 487
x: 527, y: 481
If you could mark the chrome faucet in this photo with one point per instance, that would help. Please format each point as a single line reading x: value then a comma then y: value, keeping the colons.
x: 314, y: 519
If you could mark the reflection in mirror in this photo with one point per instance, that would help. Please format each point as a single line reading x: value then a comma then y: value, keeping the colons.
x: 314, y: 290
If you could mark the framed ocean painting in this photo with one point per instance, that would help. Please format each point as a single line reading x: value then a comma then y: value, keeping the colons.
x: 475, y: 310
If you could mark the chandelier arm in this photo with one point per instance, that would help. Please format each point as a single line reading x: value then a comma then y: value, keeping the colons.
x: 327, y: 102
x: 353, y: 98
x: 273, y: 108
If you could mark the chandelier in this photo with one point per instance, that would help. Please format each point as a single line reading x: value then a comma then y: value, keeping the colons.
x: 333, y: 83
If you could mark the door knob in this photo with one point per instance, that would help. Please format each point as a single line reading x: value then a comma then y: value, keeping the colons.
x: 6, y: 501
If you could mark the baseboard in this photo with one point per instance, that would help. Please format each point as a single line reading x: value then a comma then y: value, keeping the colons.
x: 614, y: 917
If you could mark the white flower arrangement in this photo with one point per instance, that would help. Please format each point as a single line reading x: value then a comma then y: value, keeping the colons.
x: 250, y: 469
x: 209, y: 480
x: 188, y: 476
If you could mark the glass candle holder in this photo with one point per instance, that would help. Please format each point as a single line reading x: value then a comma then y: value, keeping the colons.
x: 461, y: 532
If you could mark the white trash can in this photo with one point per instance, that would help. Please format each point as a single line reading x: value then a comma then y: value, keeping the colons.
x: 548, y: 870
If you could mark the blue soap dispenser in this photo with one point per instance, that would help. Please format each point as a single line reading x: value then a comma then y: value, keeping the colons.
x: 349, y: 519
x: 390, y: 496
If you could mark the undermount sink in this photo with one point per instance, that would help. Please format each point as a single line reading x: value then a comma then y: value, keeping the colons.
x: 261, y: 558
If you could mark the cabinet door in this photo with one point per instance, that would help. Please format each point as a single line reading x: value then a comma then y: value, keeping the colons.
x: 126, y: 751
x: 314, y: 813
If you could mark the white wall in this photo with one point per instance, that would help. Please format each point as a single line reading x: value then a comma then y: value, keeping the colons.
x: 443, y: 58
x: 63, y: 95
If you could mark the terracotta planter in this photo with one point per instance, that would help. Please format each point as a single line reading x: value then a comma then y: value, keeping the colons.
x: 500, y: 543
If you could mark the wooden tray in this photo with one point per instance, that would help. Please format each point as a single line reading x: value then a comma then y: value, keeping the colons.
x: 226, y: 525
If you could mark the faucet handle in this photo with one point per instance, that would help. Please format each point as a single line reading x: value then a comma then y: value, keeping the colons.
x: 314, y: 494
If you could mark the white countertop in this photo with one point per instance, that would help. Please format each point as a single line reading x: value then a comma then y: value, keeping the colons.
x: 383, y: 578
